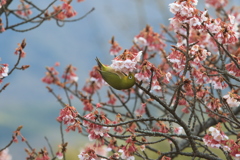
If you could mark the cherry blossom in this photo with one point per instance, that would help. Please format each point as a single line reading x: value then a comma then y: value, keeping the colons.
x: 4, y: 70
x: 20, y: 48
x: 215, y: 138
x: 232, y: 68
x: 87, y: 154
x: 97, y: 132
x: 178, y: 130
x: 232, y: 99
x: 51, y: 76
x: 70, y: 74
x: 140, y: 111
x: 59, y: 155
x: 112, y: 99
x: 87, y: 104
x: 128, y: 150
x: 4, y: 155
x: 3, y: 2
x: 95, y: 82
x: 160, y: 127
x: 68, y: 115
x: 126, y: 62
x: 115, y: 48
x: 64, y: 11
x: 150, y: 39
x: 68, y: 10
x: 24, y: 10
x: 216, y: 3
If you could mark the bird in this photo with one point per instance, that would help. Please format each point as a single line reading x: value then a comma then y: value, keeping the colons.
x: 116, y: 79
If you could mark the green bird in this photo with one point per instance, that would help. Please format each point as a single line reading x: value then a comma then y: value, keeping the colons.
x: 116, y: 79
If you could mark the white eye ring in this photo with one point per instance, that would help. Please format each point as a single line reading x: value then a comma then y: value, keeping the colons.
x: 129, y: 77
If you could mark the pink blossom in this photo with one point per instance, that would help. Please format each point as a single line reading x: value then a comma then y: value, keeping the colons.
x: 87, y: 105
x: 68, y: 10
x: 127, y: 65
x: 123, y: 156
x: 95, y: 82
x: 150, y: 39
x: 232, y: 102
x: 97, y: 132
x: 214, y: 104
x: 102, y: 150
x: 50, y: 77
x: 167, y: 77
x: 142, y: 147
x: 20, y: 50
x: 87, y: 154
x: 233, y: 69
x: 215, y: 138
x: 59, y: 155
x: 218, y: 83
x: 178, y: 130
x: 217, y: 134
x: 3, y: 2
x: 4, y: 70
x: 186, y: 110
x: 141, y: 41
x: 4, y: 155
x: 68, y: 115
x: 70, y: 74
x: 194, y: 21
x: 216, y: 3
x: 141, y: 110
x: 145, y: 73
x: 156, y: 86
x: 209, y: 141
x: 175, y: 8
x: 115, y: 48
x: 141, y: 77
x: 24, y: 10
x: 204, y: 16
x: 186, y: 11
x: 118, y: 129
x: 231, y: 18
x: 128, y: 150
x: 112, y: 99
x: 177, y: 59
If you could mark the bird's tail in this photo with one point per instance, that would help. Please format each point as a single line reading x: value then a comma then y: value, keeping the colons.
x: 99, y: 63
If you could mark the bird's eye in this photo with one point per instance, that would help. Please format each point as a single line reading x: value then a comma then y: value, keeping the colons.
x: 129, y: 77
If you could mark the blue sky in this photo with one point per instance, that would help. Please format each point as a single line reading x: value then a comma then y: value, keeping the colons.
x: 26, y: 101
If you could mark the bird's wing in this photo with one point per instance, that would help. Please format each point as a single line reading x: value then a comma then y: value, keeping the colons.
x: 111, y: 75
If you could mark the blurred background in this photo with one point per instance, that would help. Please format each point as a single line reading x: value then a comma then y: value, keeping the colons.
x: 27, y: 102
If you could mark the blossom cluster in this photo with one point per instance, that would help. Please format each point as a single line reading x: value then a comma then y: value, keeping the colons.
x: 126, y: 62
x: 4, y: 155
x: 148, y: 72
x: 149, y: 39
x: 63, y: 11
x: 3, y: 2
x: 95, y: 82
x: 4, y: 70
x: 69, y: 75
x: 68, y: 115
x: 218, y: 139
x: 115, y: 48
x: 200, y: 22
x: 216, y: 4
x: 97, y: 132
x: 24, y: 10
